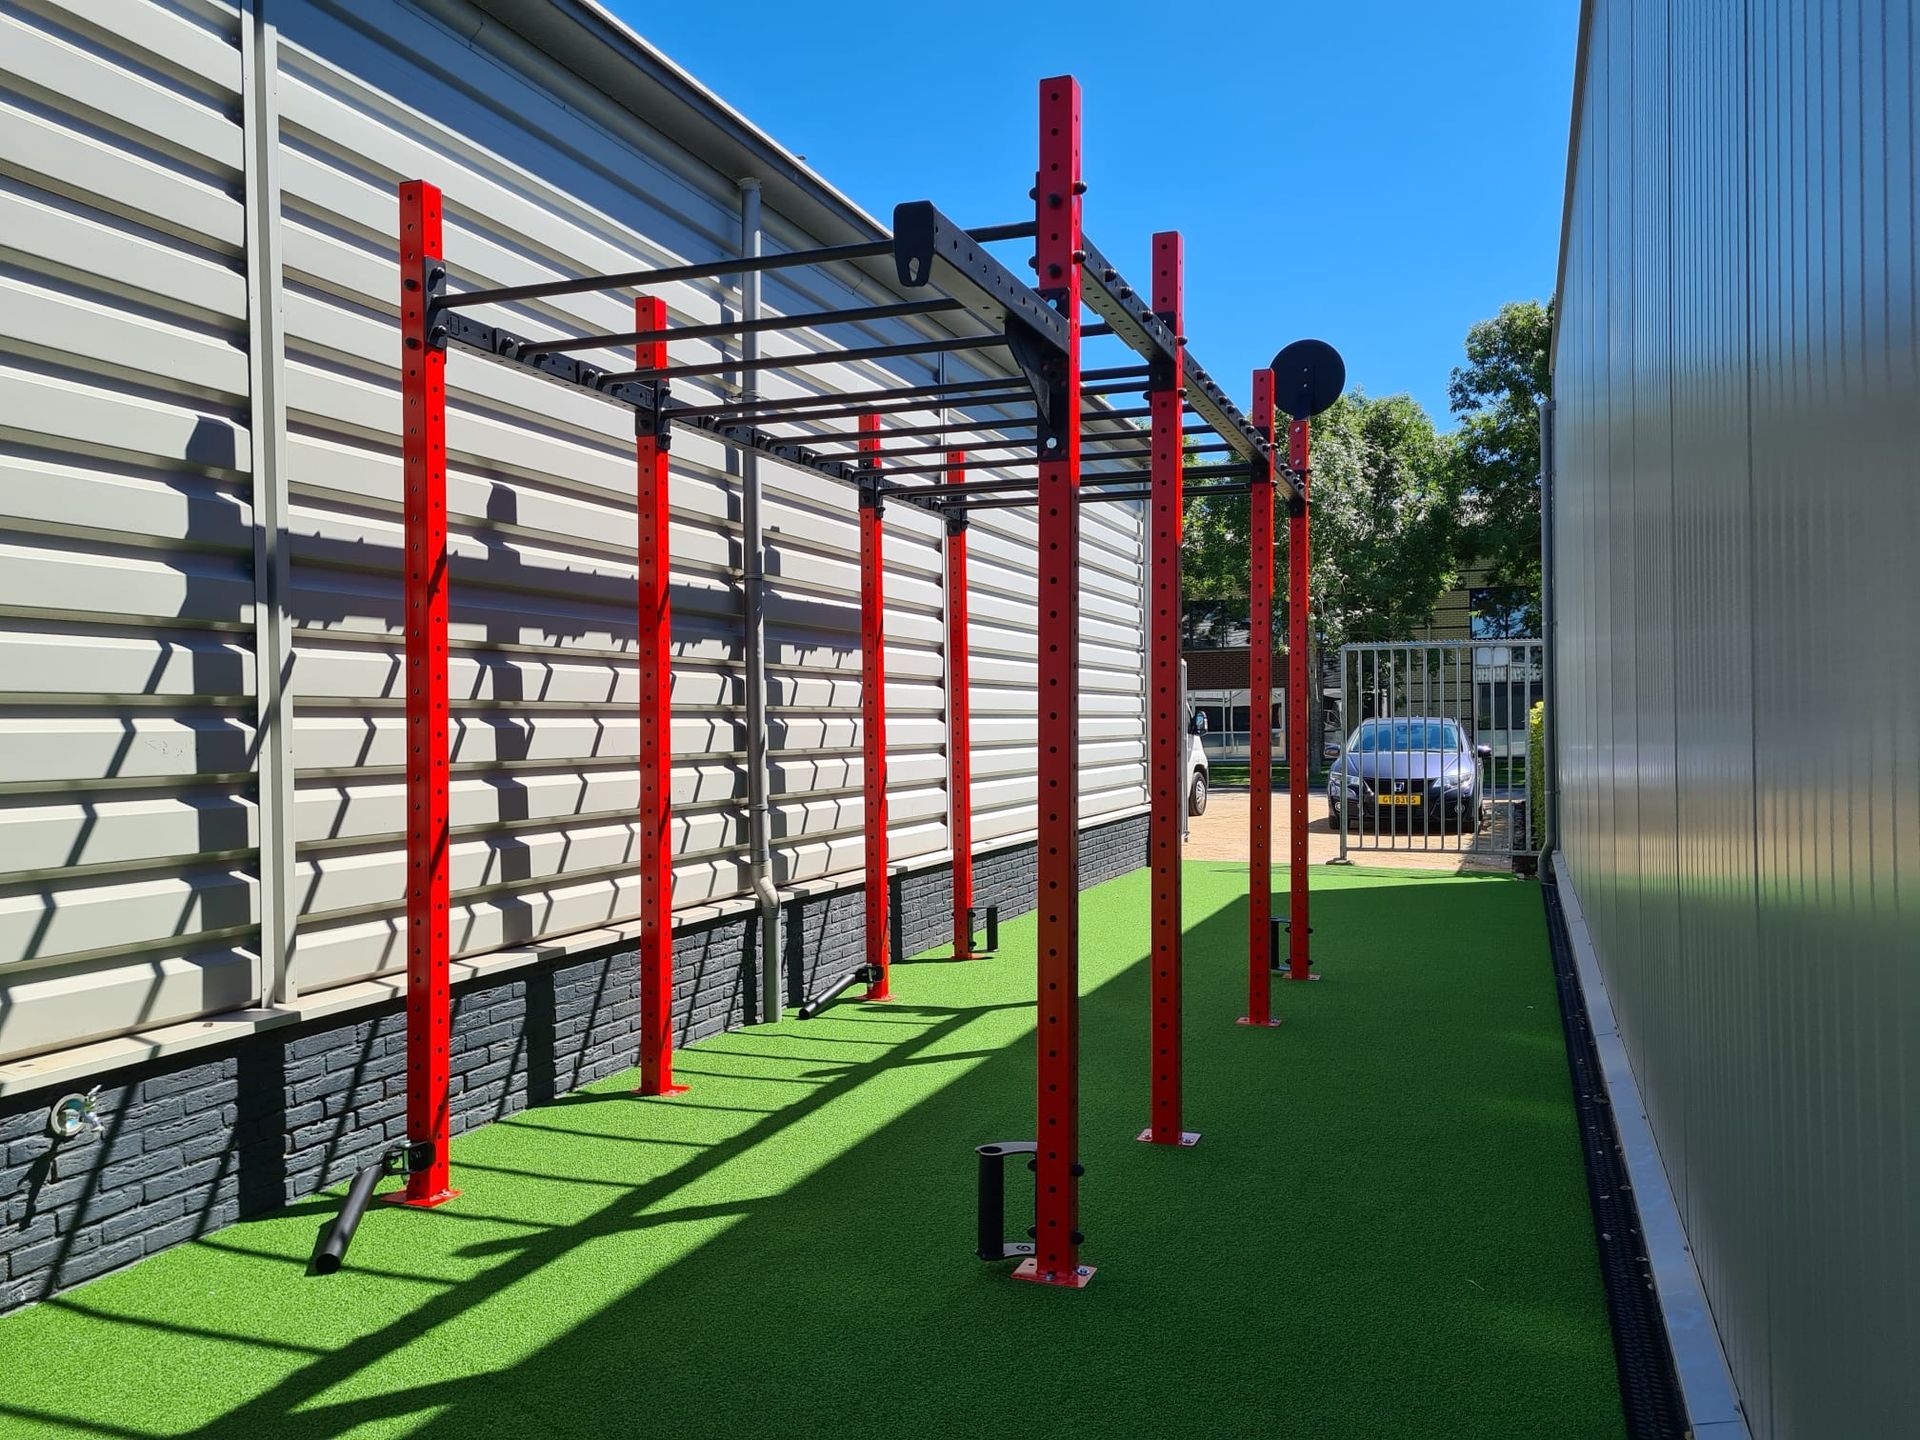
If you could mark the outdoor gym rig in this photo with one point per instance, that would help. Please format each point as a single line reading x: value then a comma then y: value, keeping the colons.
x: 1042, y: 328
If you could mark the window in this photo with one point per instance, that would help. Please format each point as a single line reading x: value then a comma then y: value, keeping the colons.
x: 1503, y: 704
x: 1493, y: 621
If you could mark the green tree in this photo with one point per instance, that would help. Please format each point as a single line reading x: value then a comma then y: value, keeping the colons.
x: 1383, y: 540
x: 1496, y: 452
x: 1383, y: 519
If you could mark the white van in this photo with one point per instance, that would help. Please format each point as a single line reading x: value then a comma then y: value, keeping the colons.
x: 1198, y: 770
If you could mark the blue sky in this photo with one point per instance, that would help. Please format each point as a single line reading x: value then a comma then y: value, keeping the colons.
x: 1377, y: 173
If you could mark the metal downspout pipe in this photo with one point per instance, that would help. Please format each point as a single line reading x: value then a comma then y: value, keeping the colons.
x: 752, y: 558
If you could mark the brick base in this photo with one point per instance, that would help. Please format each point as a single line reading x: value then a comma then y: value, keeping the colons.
x: 192, y: 1144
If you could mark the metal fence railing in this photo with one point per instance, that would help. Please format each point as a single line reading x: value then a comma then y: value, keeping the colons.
x: 1434, y: 752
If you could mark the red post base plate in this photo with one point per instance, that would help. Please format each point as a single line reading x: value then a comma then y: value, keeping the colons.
x: 668, y: 1090
x: 1188, y: 1138
x: 1310, y: 975
x: 1263, y: 1024
x: 1029, y: 1270
x: 399, y: 1197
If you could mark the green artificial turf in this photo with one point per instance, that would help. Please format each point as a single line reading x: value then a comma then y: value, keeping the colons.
x: 1383, y: 1231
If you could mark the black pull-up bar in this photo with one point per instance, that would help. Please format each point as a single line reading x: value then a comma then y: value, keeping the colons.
x: 825, y: 357
x: 712, y: 269
x: 1088, y: 495
x: 721, y: 329
x: 965, y: 426
x: 745, y: 409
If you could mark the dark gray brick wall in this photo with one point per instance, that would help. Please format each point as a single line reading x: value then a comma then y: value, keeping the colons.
x: 191, y: 1144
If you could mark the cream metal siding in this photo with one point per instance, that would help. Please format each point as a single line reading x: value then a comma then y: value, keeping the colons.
x: 127, y: 815
x: 1738, y: 679
x: 129, y: 595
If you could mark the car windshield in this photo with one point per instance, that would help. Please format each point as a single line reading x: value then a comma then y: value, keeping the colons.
x: 1378, y: 735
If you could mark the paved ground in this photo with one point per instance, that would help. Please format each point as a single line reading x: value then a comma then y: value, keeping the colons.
x: 1221, y: 834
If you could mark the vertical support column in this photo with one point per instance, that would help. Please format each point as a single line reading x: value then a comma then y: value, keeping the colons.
x: 873, y: 710
x: 1260, y: 720
x: 1057, y: 200
x: 1303, y: 709
x: 960, y: 723
x: 654, y: 561
x: 1166, y: 720
x: 423, y: 454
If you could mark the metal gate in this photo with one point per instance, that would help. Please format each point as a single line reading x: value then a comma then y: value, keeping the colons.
x: 1434, y: 752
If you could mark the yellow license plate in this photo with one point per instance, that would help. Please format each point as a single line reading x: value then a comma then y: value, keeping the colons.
x: 1398, y: 799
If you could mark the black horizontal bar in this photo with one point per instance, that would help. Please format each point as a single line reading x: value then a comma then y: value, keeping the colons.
x: 966, y: 426
x: 722, y: 328
x: 825, y: 357
x: 1100, y: 329
x: 712, y: 269
x: 962, y: 489
x: 1014, y: 463
x: 1088, y: 495
x: 1115, y: 372
x: 700, y: 270
x: 907, y: 403
x: 1017, y: 230
x: 936, y: 388
x: 978, y: 448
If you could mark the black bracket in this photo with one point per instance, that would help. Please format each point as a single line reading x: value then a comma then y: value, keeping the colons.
x: 1045, y: 369
x: 990, y: 1242
x: 957, y: 517
x: 409, y: 1159
x: 657, y: 420
x: 1296, y: 507
x: 992, y: 913
x: 433, y: 281
x: 873, y: 490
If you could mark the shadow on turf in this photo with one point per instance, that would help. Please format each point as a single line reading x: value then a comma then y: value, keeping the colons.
x: 878, y: 1239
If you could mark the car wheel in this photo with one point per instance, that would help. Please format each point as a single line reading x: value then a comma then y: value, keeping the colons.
x: 1197, y: 794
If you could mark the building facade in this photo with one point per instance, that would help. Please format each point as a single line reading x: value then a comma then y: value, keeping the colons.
x: 1736, y: 715
x: 201, y: 702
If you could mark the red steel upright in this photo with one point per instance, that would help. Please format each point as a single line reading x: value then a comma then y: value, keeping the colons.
x: 960, y: 737
x: 1057, y: 199
x: 1168, y: 732
x: 654, y: 650
x: 423, y: 450
x: 873, y: 710
x: 1301, y: 706
x: 1260, y: 720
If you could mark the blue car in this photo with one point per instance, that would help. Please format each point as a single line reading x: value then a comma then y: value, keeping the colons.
x: 1407, y: 773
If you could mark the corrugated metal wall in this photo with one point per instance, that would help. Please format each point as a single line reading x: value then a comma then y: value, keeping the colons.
x: 1736, y: 518
x: 127, y: 824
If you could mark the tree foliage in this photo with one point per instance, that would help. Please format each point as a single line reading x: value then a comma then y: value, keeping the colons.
x: 1496, y: 452
x: 1383, y: 519
x: 1382, y: 527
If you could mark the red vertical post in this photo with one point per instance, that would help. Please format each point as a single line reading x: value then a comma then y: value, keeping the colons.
x: 873, y: 710
x: 960, y: 712
x: 1057, y: 199
x: 1166, y: 720
x: 423, y: 457
x: 1260, y: 719
x: 654, y: 556
x: 1302, y: 706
